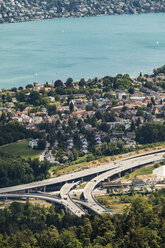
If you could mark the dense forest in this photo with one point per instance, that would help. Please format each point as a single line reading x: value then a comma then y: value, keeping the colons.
x: 150, y: 132
x: 142, y: 225
x: 15, y: 170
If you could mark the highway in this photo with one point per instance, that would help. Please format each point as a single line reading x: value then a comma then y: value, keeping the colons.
x: 66, y: 188
x: 64, y: 194
x: 122, y: 166
x: 90, y: 205
x: 57, y: 180
x: 72, y: 177
x: 107, y: 171
x: 68, y: 203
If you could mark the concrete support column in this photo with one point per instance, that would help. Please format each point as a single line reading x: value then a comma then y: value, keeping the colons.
x: 108, y: 179
x: 44, y: 189
x: 119, y: 174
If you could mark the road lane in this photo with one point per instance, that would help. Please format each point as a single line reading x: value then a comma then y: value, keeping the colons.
x: 73, y: 176
x: 121, y: 166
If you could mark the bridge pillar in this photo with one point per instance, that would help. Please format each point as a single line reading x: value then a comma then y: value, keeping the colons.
x: 44, y: 189
x: 4, y: 199
x: 119, y: 174
x: 108, y: 179
x: 82, y: 179
x: 28, y: 191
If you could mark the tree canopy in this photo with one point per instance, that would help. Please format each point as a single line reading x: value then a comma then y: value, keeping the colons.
x: 141, y: 225
x: 15, y: 170
x: 150, y: 132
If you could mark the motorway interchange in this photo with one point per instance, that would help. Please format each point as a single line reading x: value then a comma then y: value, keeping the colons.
x: 70, y: 181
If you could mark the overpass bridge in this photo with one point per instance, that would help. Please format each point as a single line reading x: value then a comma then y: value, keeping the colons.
x: 67, y: 203
x: 100, y: 173
x: 64, y: 194
x: 77, y: 176
x: 123, y: 166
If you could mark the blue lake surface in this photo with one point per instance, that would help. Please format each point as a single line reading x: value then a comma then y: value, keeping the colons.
x: 80, y: 48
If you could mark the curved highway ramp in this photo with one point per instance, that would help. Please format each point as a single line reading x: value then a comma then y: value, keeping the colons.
x: 121, y: 167
x: 107, y: 171
x: 73, y: 208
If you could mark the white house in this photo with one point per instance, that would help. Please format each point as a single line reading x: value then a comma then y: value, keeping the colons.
x: 33, y: 143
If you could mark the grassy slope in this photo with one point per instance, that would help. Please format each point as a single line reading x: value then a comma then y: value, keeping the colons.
x: 141, y: 171
x: 20, y: 148
x: 81, y: 165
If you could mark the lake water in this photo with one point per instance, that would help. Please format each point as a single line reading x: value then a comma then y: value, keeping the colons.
x: 80, y: 48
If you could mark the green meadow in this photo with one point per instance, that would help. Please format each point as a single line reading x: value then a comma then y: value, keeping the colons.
x: 20, y: 148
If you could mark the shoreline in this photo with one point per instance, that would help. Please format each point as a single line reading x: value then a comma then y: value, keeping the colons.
x: 83, y: 16
x: 132, y: 75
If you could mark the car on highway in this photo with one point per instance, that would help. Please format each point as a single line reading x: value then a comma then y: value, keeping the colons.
x: 65, y: 197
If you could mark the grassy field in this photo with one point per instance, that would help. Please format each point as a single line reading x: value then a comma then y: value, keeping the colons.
x: 118, y: 202
x: 112, y: 203
x: 141, y: 171
x: 20, y: 148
